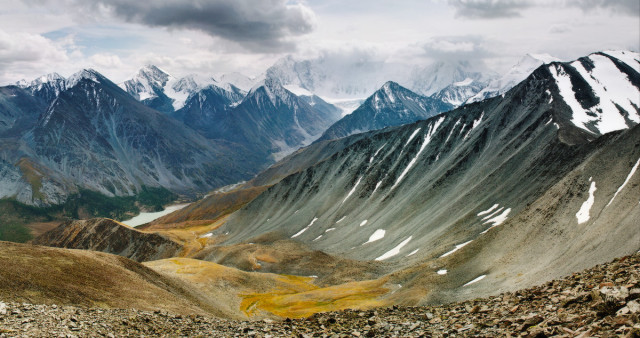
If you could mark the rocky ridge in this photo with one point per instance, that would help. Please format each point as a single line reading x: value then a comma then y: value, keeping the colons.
x: 603, y: 301
x: 106, y: 235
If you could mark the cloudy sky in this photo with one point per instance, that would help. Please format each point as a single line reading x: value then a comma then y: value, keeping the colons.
x: 116, y: 37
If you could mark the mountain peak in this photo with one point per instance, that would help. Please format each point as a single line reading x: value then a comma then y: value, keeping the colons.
x: 48, y: 78
x: 388, y: 91
x: 272, y: 88
x: 153, y: 75
x: 152, y: 68
x: 85, y: 74
x: 390, y: 85
x: 545, y: 58
x: 516, y: 74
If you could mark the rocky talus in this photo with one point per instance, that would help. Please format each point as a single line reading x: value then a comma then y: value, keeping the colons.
x: 603, y: 301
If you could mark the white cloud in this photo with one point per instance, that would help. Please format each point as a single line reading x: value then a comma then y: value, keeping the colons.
x: 118, y: 36
x: 106, y: 60
x: 25, y: 55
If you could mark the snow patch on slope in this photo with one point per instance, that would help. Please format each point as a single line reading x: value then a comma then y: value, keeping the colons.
x: 479, y: 278
x: 497, y: 220
x: 352, y: 190
x: 633, y: 171
x: 305, y: 229
x: 583, y: 214
x: 395, y: 250
x: 377, y: 235
x: 458, y: 247
x: 488, y: 210
x: 427, y: 138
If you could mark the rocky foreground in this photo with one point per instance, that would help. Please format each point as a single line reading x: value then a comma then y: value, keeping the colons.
x: 600, y: 302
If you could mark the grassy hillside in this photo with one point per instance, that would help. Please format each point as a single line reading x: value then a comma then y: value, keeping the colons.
x: 37, y: 274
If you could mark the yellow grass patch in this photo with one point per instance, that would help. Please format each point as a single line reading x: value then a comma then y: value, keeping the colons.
x: 354, y: 295
x: 258, y: 294
x: 190, y: 236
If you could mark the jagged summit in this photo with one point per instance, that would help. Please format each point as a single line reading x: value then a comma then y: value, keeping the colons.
x: 48, y: 78
x: 85, y: 74
x: 164, y: 92
x: 274, y: 90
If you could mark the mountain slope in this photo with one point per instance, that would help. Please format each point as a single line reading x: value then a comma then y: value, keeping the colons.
x: 430, y: 195
x: 391, y: 105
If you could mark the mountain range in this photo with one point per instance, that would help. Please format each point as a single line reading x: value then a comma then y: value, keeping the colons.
x: 341, y: 83
x: 409, y: 199
x: 85, y: 132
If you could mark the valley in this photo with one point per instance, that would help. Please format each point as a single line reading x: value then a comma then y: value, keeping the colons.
x: 255, y: 203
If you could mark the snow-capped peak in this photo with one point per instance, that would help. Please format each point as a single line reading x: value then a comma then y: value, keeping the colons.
x: 525, y: 66
x: 234, y: 79
x: 389, y: 89
x: 273, y: 89
x: 85, y: 74
x: 22, y: 83
x: 439, y: 75
x: 48, y: 78
x: 151, y: 76
x: 53, y: 77
x: 545, y: 58
x: 464, y: 82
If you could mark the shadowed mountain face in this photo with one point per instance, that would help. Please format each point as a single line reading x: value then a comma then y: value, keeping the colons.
x: 130, y: 144
x: 94, y: 135
x: 272, y: 121
x: 206, y: 108
x: 468, y: 180
x: 19, y: 111
x: 391, y: 105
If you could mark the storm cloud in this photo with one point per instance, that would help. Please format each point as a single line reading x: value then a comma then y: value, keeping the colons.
x: 258, y: 25
x: 489, y: 9
x: 494, y: 9
x: 629, y: 7
x: 461, y: 48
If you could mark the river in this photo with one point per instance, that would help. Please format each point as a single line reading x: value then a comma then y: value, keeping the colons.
x: 146, y: 217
